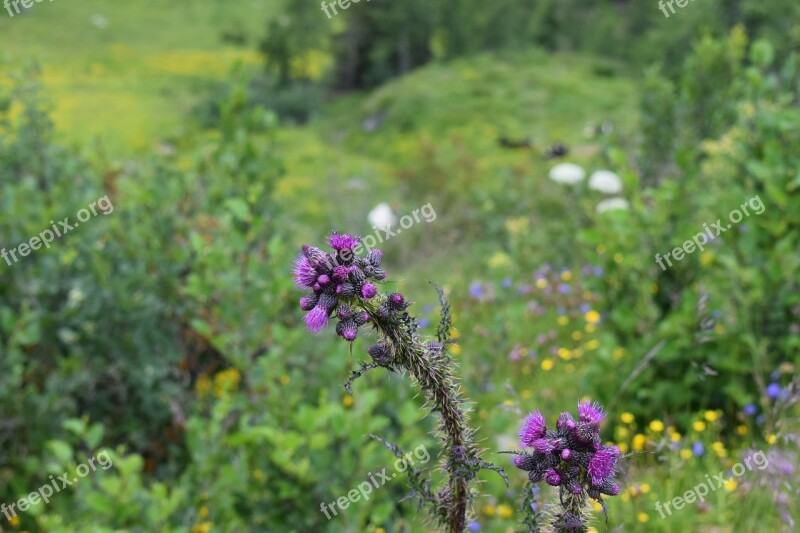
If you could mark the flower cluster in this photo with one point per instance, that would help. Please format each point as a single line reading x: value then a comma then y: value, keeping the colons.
x: 339, y: 281
x: 571, y: 457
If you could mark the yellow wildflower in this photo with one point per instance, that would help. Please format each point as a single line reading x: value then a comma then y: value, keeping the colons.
x: 504, y: 511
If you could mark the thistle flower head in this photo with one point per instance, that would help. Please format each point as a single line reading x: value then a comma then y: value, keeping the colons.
x: 572, y: 458
x: 342, y: 242
x: 368, y: 290
x: 591, y: 412
x: 304, y: 274
x: 316, y: 319
x: 339, y: 280
x: 533, y: 428
x: 601, y: 465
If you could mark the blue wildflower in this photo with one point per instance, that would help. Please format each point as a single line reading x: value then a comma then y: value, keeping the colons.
x: 476, y: 290
x: 750, y: 409
x: 506, y: 283
x: 697, y: 448
x: 773, y: 390
x: 563, y: 288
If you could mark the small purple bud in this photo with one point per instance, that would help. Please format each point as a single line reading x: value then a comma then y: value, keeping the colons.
x: 368, y: 291
x: 341, y: 272
x: 317, y: 287
x: 566, y: 453
x: 552, y: 478
x: 324, y: 279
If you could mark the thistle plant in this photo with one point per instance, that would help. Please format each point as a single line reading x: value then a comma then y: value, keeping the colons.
x: 572, y: 458
x: 345, y: 287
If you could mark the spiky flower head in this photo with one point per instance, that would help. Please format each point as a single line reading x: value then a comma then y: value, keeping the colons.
x: 316, y: 319
x: 591, y: 412
x: 533, y: 428
x: 339, y: 282
x: 304, y: 274
x: 343, y: 242
x: 601, y: 465
x: 572, y: 458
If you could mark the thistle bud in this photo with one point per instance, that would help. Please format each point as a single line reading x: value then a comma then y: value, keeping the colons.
x: 344, y: 312
x: 346, y: 290
x: 361, y: 318
x: 374, y: 257
x: 308, y: 302
x: 552, y: 478
x: 327, y: 301
x: 380, y: 353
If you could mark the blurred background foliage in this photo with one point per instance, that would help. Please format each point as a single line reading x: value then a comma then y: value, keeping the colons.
x: 168, y: 332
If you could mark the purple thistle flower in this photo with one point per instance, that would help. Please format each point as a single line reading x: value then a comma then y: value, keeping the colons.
x: 316, y: 319
x: 533, y: 427
x: 773, y: 390
x: 342, y: 242
x: 602, y: 463
x: 552, y: 478
x: 304, y: 274
x: 341, y: 273
x: 368, y: 291
x: 591, y: 412
x: 565, y: 422
x: 544, y: 445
